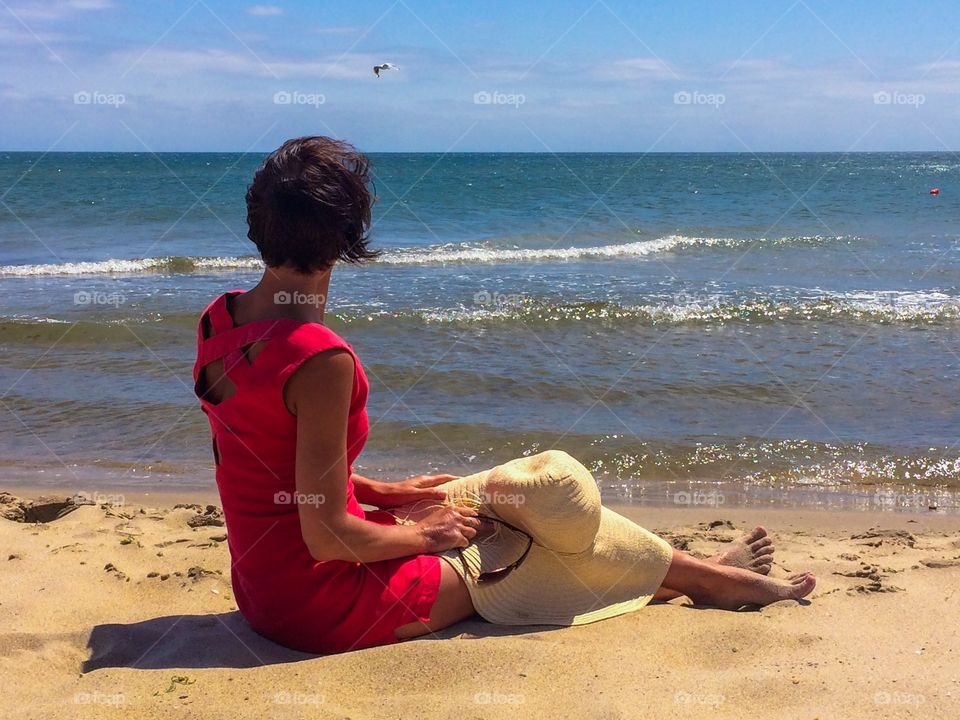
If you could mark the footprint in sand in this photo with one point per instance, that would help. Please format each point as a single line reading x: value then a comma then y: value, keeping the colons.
x: 206, y: 516
x: 873, y: 575
x: 41, y: 510
x: 940, y: 563
x: 876, y: 537
x: 865, y: 571
x: 111, y: 568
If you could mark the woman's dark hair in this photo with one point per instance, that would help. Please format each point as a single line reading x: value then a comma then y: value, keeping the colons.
x: 309, y: 205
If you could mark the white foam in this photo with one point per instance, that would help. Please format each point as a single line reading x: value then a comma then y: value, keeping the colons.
x: 641, y: 248
x: 120, y: 266
x: 436, y: 255
x: 228, y: 263
x: 82, y: 268
x: 882, y: 306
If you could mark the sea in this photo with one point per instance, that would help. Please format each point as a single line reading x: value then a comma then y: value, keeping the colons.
x: 697, y: 329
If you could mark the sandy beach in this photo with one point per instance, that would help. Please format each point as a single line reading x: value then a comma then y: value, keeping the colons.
x: 322, y: 254
x: 126, y: 610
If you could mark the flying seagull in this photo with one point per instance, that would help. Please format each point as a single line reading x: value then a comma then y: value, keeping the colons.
x: 384, y: 66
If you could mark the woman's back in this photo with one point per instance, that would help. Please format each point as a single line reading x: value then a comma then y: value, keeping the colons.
x: 240, y: 374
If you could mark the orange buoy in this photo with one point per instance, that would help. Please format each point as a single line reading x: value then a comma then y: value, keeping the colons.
x: 934, y: 191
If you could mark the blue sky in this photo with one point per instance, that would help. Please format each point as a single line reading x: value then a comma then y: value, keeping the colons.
x: 603, y: 75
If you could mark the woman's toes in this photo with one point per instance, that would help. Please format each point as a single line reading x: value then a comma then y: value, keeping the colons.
x: 762, y: 568
x: 804, y: 585
x: 756, y: 534
x: 758, y: 545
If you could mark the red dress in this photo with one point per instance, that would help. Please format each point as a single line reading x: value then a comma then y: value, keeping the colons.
x: 285, y: 594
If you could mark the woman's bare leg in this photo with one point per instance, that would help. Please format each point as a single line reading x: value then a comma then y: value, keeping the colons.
x: 749, y: 555
x: 451, y: 606
x: 751, y: 551
x: 708, y: 583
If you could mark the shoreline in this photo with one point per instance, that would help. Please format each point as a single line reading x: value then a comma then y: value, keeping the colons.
x: 883, y: 500
x: 647, y: 514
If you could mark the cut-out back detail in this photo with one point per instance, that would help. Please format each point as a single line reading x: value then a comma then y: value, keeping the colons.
x: 214, y: 382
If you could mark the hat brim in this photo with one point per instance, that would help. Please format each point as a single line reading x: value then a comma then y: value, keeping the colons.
x: 587, y: 562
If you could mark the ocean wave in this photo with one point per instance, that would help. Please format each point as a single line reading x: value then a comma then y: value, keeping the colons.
x: 114, y: 266
x: 463, y: 254
x: 471, y: 254
x: 881, y: 307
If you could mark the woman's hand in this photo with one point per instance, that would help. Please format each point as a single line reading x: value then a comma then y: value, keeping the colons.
x: 415, y: 489
x: 448, y: 527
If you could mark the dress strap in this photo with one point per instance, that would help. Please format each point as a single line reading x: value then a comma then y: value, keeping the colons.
x: 219, y: 314
x: 226, y: 342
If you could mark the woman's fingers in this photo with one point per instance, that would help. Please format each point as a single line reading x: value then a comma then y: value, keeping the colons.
x: 469, y: 523
x: 428, y: 481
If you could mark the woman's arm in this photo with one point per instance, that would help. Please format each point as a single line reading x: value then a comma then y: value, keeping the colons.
x: 367, y: 489
x: 393, y: 494
x: 319, y: 393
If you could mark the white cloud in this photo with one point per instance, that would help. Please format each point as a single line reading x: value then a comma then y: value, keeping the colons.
x: 54, y: 10
x: 941, y: 67
x: 90, y: 4
x: 345, y: 30
x: 19, y: 35
x: 264, y: 10
x: 635, y: 69
x: 164, y: 62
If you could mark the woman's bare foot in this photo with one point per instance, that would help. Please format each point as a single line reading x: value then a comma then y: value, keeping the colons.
x: 752, y: 551
x: 759, y: 590
x: 741, y: 587
x: 730, y: 588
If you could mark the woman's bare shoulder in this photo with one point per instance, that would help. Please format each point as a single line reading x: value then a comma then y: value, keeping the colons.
x: 327, y: 374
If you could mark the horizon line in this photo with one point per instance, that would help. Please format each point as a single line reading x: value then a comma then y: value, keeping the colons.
x: 500, y: 152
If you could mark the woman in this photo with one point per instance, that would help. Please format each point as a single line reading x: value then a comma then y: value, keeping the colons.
x: 286, y: 401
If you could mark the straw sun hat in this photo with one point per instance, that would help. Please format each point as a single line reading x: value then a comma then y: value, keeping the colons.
x: 579, y: 562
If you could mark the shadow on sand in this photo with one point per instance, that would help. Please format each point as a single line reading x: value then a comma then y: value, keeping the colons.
x: 221, y: 641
